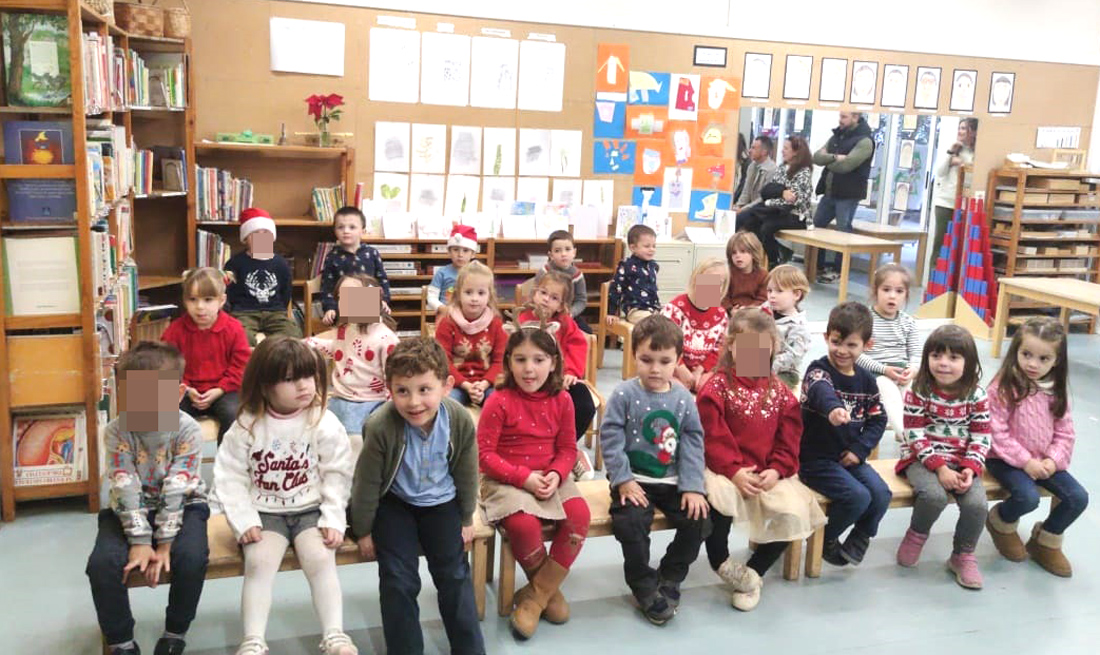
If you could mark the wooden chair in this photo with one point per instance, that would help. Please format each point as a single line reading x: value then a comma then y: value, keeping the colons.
x: 426, y: 329
x: 622, y: 330
x: 313, y: 287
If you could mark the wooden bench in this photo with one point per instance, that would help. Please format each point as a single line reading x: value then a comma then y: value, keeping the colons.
x: 845, y: 243
x: 895, y: 233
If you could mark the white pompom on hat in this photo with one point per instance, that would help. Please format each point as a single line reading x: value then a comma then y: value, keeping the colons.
x: 253, y: 219
x: 463, y: 236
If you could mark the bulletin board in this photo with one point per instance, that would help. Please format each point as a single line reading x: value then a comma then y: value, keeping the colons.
x: 236, y: 90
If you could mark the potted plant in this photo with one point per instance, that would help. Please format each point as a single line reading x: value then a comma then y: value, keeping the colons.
x: 323, y: 109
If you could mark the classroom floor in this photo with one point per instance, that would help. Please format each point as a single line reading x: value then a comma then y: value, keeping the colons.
x: 46, y: 607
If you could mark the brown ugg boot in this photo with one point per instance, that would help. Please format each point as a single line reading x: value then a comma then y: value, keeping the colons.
x: 1046, y: 549
x: 1005, y: 537
x: 557, y: 610
x: 546, y: 581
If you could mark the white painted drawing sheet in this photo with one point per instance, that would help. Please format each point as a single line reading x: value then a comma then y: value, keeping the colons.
x: 532, y: 189
x: 541, y: 75
x: 445, y: 70
x: 463, y: 192
x: 426, y: 194
x: 565, y: 153
x: 307, y: 46
x: 500, y: 151
x: 429, y: 148
x: 534, y: 152
x: 494, y: 72
x: 465, y: 150
x: 394, y: 65
x: 391, y: 147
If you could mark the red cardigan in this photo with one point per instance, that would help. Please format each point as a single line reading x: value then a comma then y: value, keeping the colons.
x: 571, y: 340
x: 746, y: 289
x: 215, y: 357
x: 749, y: 422
x: 473, y: 357
x: 519, y: 433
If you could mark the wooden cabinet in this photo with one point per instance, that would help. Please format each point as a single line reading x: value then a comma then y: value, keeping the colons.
x: 676, y: 259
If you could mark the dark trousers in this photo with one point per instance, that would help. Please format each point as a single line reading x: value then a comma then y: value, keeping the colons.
x: 401, y: 532
x: 111, y: 553
x: 631, y: 526
x: 584, y: 408
x: 843, y: 210
x: 583, y: 324
x: 857, y: 495
x: 1024, y: 495
x: 223, y: 410
x: 784, y: 221
x: 718, y: 547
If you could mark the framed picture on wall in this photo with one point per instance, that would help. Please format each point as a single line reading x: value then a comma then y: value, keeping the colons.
x: 895, y: 85
x: 1001, y: 88
x: 963, y: 82
x: 905, y: 154
x: 928, y: 88
x: 834, y: 79
x: 757, y: 79
x: 796, y: 79
x: 864, y: 82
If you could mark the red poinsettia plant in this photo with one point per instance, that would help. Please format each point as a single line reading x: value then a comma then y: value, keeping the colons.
x: 325, y: 108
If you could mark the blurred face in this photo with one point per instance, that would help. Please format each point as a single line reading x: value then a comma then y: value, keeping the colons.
x: 890, y: 296
x: 843, y: 352
x: 359, y: 304
x: 655, y: 367
x: 460, y: 256
x: 550, y: 298
x: 848, y: 119
x: 645, y: 247
x: 290, y: 396
x: 788, y: 152
x: 562, y: 253
x: 742, y: 260
x: 757, y: 152
x: 260, y: 243
x: 417, y: 397
x: 947, y: 368
x: 964, y: 134
x: 530, y: 366
x: 1036, y: 357
x: 149, y: 400
x: 349, y: 231
x: 708, y: 288
x: 782, y: 301
x: 751, y: 353
x: 203, y: 310
x: 473, y: 298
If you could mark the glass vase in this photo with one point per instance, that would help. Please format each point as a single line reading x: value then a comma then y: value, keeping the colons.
x: 325, y: 137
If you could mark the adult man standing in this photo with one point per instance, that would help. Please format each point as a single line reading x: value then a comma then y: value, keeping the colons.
x: 761, y: 168
x: 846, y: 158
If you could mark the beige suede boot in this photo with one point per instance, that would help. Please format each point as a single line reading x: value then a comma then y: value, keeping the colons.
x: 557, y: 610
x: 546, y: 581
x: 1005, y: 537
x: 1046, y: 549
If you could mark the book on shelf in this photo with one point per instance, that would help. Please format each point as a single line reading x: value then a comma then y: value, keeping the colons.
x: 220, y: 196
x: 40, y: 143
x: 319, y: 255
x: 36, y: 59
x: 116, y: 160
x: 169, y: 164
x: 41, y: 275
x: 394, y: 248
x: 157, y: 79
x: 50, y: 448
x: 104, y: 74
x: 112, y: 319
x: 212, y: 249
x: 327, y: 201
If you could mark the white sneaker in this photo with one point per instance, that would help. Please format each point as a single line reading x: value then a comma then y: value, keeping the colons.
x: 582, y: 468
x: 253, y: 646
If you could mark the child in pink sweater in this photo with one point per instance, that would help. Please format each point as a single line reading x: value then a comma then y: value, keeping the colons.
x: 1033, y: 440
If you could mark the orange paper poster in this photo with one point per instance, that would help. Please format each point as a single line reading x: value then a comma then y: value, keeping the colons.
x: 714, y: 129
x: 613, y: 65
x: 644, y: 122
x: 653, y: 156
x: 713, y: 173
x: 681, y: 140
x: 720, y: 93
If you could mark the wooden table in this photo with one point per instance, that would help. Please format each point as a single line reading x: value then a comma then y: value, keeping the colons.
x: 895, y: 233
x: 845, y: 243
x: 1067, y: 293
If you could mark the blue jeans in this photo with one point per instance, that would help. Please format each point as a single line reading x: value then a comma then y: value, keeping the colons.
x: 462, y: 397
x: 1024, y: 495
x: 857, y: 495
x: 353, y: 413
x: 843, y: 210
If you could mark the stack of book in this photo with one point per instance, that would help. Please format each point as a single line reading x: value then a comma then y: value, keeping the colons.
x: 400, y: 268
x: 104, y: 74
x: 327, y: 201
x: 157, y: 80
x: 110, y: 163
x: 221, y: 197
x: 113, y: 318
x: 212, y: 250
x: 143, y: 172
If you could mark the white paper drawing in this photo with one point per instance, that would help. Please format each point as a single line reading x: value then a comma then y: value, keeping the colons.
x: 398, y: 225
x: 465, y: 150
x: 391, y: 147
x: 433, y: 227
x: 834, y: 77
x: 463, y: 193
x: 587, y: 221
x: 567, y: 192
x: 429, y: 148
x: 426, y: 194
x: 534, y: 152
x: 494, y: 69
x: 565, y: 153
x: 519, y: 226
x: 601, y: 194
x: 905, y: 154
x: 757, y: 79
x: 541, y: 75
x: 497, y: 193
x: 306, y: 46
x: 500, y: 151
x: 676, y: 194
x: 864, y: 82
x: 532, y: 189
x: 392, y: 189
x: 445, y: 70
x: 796, y: 79
x: 901, y: 196
x: 683, y: 97
x: 895, y: 85
x: 394, y: 74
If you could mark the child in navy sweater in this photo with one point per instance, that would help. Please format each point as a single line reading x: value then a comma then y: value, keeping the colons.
x: 634, y: 289
x: 259, y: 292
x: 352, y: 256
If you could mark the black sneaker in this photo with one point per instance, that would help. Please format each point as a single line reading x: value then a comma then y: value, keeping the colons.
x: 855, y: 547
x: 831, y: 553
x: 671, y: 591
x: 132, y: 649
x: 656, y: 609
x: 786, y: 255
x: 827, y: 276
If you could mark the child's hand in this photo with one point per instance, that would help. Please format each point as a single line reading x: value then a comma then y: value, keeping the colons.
x: 251, y: 535
x: 207, y: 399
x: 632, y: 492
x: 695, y: 504
x: 193, y: 395
x: 908, y: 374
x: 612, y: 320
x: 162, y: 561
x: 839, y: 416
x: 1035, y: 470
x: 332, y: 537
x: 550, y: 482
x: 366, y: 547
x: 533, y: 483
x: 747, y: 481
x: 1049, y: 466
x: 895, y: 374
x: 329, y: 317
x: 568, y: 380
x: 966, y: 478
x: 848, y: 458
x: 949, y: 479
x: 141, y: 556
x: 467, y: 535
x: 441, y: 311
x: 768, y: 478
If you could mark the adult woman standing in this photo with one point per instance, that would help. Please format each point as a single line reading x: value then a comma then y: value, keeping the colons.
x: 947, y: 178
x: 786, y: 200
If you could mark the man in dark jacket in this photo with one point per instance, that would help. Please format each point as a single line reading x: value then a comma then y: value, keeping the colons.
x: 846, y: 158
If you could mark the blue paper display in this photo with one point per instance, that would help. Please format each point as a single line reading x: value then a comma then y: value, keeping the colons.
x: 649, y: 88
x: 614, y: 128
x: 700, y: 204
x: 654, y: 200
x: 613, y: 157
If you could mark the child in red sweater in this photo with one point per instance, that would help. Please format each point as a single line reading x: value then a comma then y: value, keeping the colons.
x: 752, y: 427
x: 748, y: 265
x: 526, y: 449
x: 214, y: 347
x: 701, y: 318
x: 472, y: 335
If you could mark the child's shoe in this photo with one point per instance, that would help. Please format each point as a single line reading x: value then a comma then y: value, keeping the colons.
x: 335, y: 642
x: 855, y: 547
x: 169, y: 646
x: 910, y: 548
x: 253, y: 646
x: 656, y: 609
x: 1005, y: 537
x: 582, y: 468
x: 131, y: 649
x: 830, y: 552
x: 671, y: 591
x: 1046, y: 549
x: 965, y: 568
x: 746, y: 584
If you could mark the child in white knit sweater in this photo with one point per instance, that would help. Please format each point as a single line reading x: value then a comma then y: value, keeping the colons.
x: 283, y: 475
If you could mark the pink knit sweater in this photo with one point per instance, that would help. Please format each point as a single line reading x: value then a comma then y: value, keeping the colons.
x: 1030, y: 432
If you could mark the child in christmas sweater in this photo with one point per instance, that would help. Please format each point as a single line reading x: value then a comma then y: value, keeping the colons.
x: 633, y: 290
x: 259, y: 292
x: 472, y: 335
x: 350, y: 256
x: 702, y: 321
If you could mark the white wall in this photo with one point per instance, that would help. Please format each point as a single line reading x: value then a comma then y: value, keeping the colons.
x: 1051, y: 30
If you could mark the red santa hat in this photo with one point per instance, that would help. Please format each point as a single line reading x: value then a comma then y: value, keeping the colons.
x: 253, y: 219
x: 463, y: 236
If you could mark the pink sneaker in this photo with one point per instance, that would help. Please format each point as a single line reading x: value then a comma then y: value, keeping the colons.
x: 965, y: 568
x: 911, y: 545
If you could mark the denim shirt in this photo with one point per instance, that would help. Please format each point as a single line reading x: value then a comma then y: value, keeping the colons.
x: 424, y: 478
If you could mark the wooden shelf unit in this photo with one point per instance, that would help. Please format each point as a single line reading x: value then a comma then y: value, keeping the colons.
x: 1023, y: 231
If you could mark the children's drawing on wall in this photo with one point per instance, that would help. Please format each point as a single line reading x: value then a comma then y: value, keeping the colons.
x: 565, y: 153
x: 391, y: 147
x: 465, y: 150
x: 463, y: 193
x: 532, y: 189
x: 756, y: 82
x: 1000, y: 93
x: 684, y: 103
x: 796, y: 78
x: 681, y: 144
x: 834, y: 78
x: 649, y: 88
x: 643, y: 121
x: 445, y: 69
x: 612, y: 64
x: 567, y: 192
x: 499, y: 156
x: 609, y: 121
x: 646, y: 196
x: 429, y: 148
x: 864, y: 82
x: 394, y: 65
x: 534, y: 152
x: 493, y: 71
x: 541, y: 75
x: 901, y: 196
x: 928, y: 88
x: 613, y: 157
x: 962, y: 90
x: 895, y: 85
x: 497, y: 193
x: 392, y: 190
x: 705, y: 205
x: 721, y: 93
x: 426, y: 194
x: 677, y: 189
x: 905, y: 154
x: 600, y: 194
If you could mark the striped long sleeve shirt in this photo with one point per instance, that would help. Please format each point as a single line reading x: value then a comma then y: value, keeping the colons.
x: 942, y: 429
x: 896, y: 343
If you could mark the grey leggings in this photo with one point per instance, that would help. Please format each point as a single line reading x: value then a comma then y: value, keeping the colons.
x: 931, y: 498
